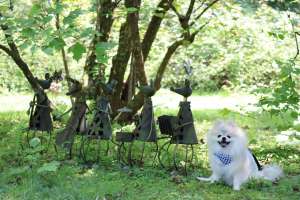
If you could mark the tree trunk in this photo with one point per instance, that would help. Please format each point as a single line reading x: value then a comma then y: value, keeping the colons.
x: 66, y: 137
x: 137, y: 102
x: 119, y: 64
x: 154, y: 25
x: 103, y: 26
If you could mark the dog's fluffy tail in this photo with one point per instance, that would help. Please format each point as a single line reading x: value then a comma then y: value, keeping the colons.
x: 271, y: 172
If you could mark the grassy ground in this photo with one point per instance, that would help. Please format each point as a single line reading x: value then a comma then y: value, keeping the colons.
x: 25, y: 173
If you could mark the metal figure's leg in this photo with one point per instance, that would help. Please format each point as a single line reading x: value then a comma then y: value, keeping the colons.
x: 70, y: 152
x: 42, y: 138
x: 27, y: 137
x: 107, y: 148
x: 193, y: 154
x: 81, y: 147
x: 186, y: 159
x: 49, y: 140
x: 159, y: 153
x: 99, y: 149
x: 129, y: 154
x: 119, y: 152
x: 174, y: 156
x: 84, y: 147
x: 156, y: 153
x: 168, y: 147
x: 56, y: 151
x: 123, y: 155
x: 143, y: 150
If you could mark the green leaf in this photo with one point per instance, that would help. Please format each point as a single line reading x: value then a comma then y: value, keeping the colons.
x: 101, y: 51
x: 35, y: 9
x: 49, y: 167
x: 28, y: 32
x: 294, y: 114
x: 57, y: 43
x: 34, y: 142
x: 87, y: 32
x: 59, y: 8
x: 73, y: 15
x: 77, y: 50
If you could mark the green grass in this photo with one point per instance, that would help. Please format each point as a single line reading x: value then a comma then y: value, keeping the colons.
x: 19, y: 178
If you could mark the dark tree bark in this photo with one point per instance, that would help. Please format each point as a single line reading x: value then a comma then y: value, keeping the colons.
x: 154, y: 25
x: 104, y: 23
x: 119, y: 63
x: 130, y: 45
x: 137, y: 55
x: 184, y: 20
x: 120, y: 60
x: 66, y: 138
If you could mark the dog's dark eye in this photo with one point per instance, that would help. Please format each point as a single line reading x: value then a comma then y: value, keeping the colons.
x: 228, y: 136
x: 219, y: 136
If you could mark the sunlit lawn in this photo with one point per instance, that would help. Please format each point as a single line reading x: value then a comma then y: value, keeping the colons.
x: 19, y: 178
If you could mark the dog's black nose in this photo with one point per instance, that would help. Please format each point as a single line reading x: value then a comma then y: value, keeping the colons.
x: 223, y: 139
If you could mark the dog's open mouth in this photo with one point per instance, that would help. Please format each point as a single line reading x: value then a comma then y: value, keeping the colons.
x: 224, y: 143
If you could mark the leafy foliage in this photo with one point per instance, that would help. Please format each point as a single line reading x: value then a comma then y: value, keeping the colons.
x: 284, y: 97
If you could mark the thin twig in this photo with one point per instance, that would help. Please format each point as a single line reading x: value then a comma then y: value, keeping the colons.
x: 295, y: 37
x: 203, y: 11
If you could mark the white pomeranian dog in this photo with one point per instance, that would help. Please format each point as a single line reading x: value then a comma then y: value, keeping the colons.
x: 231, y: 160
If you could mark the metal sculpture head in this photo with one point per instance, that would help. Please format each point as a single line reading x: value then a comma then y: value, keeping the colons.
x: 148, y: 90
x: 57, y: 76
x: 109, y: 88
x: 48, y: 79
x: 75, y: 87
x: 184, y: 91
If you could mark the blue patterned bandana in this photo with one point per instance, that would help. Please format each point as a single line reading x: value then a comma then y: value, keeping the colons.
x: 224, y: 158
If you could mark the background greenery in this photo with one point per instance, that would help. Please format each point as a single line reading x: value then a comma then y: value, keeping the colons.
x: 238, y: 49
x: 247, y: 46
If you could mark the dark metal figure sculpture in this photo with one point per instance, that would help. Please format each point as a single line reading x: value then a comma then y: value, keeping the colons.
x: 100, y: 127
x: 40, y: 113
x: 179, y: 129
x: 185, y: 132
x: 40, y: 107
x: 145, y: 130
x: 123, y: 138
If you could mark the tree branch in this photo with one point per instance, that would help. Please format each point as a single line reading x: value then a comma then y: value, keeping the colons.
x: 119, y: 64
x: 154, y: 25
x: 104, y: 23
x: 190, y: 10
x: 162, y: 67
x: 204, y: 11
x: 295, y: 38
x: 5, y: 49
x: 63, y: 54
x: 138, y: 59
x: 13, y: 52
